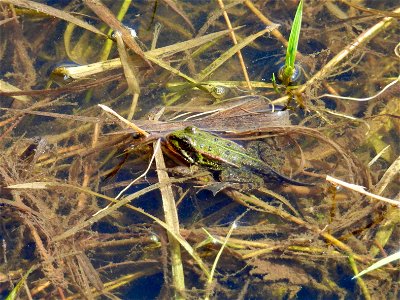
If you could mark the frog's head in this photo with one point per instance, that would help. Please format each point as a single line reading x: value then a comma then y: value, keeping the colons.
x: 183, y: 142
x: 184, y: 137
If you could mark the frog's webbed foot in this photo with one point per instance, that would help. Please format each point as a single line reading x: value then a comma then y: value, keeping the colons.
x: 215, y: 187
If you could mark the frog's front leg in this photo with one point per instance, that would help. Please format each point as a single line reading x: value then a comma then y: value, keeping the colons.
x: 202, y: 160
x: 241, y: 179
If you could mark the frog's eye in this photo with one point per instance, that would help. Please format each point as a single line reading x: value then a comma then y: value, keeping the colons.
x: 191, y: 129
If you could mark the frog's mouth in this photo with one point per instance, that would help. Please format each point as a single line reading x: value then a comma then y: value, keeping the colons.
x: 182, y: 147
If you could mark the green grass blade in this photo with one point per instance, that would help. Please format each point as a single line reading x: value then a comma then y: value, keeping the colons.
x: 14, y: 293
x: 293, y: 42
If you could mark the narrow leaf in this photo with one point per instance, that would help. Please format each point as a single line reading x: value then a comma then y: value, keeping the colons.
x: 31, y: 185
x: 293, y: 42
x: 379, y: 264
x: 186, y: 45
x: 14, y: 293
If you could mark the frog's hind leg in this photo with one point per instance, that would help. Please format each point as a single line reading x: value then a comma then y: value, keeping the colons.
x: 291, y: 181
x: 241, y: 179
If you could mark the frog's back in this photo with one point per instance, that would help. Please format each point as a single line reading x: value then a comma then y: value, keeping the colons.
x: 213, y: 148
x: 223, y: 150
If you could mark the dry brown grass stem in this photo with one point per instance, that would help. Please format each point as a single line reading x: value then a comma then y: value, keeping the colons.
x: 109, y: 18
x: 55, y: 186
x: 233, y: 37
x: 389, y: 176
x: 253, y: 202
x: 55, y: 13
x: 172, y: 220
x: 276, y: 33
x: 361, y: 40
x: 130, y: 76
x: 7, y: 87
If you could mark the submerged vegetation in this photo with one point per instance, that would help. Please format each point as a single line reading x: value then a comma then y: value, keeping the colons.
x: 104, y: 193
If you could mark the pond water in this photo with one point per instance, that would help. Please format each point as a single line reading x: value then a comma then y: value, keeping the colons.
x: 100, y: 209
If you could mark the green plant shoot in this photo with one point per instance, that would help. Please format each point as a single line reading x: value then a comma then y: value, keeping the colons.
x: 14, y: 293
x: 292, y: 44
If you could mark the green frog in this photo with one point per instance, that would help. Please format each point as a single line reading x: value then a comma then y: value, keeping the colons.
x: 233, y: 160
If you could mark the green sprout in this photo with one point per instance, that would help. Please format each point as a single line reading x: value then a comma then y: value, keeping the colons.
x: 14, y: 293
x: 292, y: 44
x: 286, y: 74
